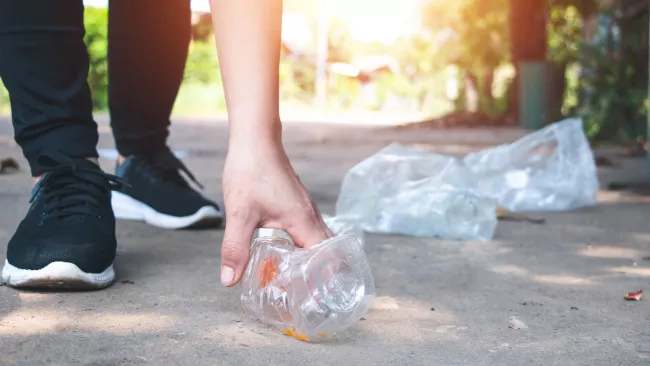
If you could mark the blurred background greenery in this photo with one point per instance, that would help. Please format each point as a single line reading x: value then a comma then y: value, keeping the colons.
x: 460, y: 56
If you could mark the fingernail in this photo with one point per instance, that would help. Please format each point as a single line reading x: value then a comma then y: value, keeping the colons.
x: 227, y: 275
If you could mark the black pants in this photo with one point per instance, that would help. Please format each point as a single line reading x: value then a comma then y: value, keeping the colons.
x: 44, y: 66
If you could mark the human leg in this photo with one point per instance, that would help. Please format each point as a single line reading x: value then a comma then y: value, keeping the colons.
x: 67, y: 238
x: 147, y: 54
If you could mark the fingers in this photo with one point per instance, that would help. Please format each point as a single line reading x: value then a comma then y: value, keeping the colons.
x: 235, y: 248
x: 309, y: 229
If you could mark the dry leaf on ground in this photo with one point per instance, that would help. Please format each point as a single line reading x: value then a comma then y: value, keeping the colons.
x: 505, y: 215
x: 636, y: 295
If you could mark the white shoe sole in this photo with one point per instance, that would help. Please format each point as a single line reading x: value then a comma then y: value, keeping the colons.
x: 57, y: 275
x: 127, y: 208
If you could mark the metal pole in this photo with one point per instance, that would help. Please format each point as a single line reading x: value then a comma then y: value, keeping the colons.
x: 648, y: 111
x: 321, y: 53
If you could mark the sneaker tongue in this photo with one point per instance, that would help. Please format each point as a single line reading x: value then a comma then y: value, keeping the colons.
x: 171, y: 167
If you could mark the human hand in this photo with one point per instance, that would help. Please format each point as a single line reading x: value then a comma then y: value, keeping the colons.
x: 261, y: 189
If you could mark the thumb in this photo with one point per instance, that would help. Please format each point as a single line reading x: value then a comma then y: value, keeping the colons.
x: 235, y: 249
x: 309, y: 231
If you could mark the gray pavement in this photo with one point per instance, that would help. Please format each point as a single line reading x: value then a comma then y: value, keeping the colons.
x: 536, y: 295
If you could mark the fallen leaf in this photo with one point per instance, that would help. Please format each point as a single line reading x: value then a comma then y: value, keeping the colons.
x: 637, y: 295
x: 505, y: 215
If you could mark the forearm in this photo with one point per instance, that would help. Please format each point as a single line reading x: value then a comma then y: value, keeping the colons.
x: 248, y: 35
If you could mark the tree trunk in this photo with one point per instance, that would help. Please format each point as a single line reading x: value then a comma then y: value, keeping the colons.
x: 471, y: 92
x: 487, y: 102
x: 528, y: 34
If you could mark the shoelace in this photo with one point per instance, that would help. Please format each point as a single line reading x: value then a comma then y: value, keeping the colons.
x: 166, y: 166
x: 72, y: 188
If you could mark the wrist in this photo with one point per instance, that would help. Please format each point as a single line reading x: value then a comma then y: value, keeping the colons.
x: 255, y: 134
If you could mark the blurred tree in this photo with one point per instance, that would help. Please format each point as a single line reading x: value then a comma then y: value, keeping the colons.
x: 339, y: 42
x: 475, y: 38
x: 614, y: 79
x: 202, y: 65
x: 202, y: 29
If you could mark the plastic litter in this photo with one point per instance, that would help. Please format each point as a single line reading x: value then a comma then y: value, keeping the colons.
x: 343, y: 225
x: 339, y: 225
x: 432, y: 210
x: 552, y: 169
x: 308, y: 293
x: 404, y: 190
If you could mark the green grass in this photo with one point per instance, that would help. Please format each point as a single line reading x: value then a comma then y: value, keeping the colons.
x: 200, y: 99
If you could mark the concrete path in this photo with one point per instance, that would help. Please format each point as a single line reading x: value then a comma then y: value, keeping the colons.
x: 536, y: 295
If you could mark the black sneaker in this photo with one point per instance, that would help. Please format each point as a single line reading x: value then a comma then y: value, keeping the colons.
x: 160, y: 196
x: 67, y: 239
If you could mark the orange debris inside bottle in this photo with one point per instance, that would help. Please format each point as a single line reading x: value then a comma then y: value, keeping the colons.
x: 269, y: 271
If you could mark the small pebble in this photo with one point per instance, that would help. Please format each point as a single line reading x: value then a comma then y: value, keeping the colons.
x: 516, y: 323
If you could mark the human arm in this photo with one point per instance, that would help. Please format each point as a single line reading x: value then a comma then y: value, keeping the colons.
x: 260, y: 187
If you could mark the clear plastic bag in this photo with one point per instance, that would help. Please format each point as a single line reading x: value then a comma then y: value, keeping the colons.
x: 345, y: 225
x: 408, y: 191
x: 403, y: 190
x: 429, y: 210
x: 308, y: 293
x: 552, y: 169
x: 382, y: 175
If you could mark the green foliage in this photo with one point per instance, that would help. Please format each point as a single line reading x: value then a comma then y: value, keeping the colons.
x: 615, y: 79
x: 96, y: 39
x: 564, y: 34
x: 202, y: 65
x: 475, y: 38
x: 297, y: 80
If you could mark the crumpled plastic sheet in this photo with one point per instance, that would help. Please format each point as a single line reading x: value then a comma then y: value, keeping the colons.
x: 552, y: 169
x: 342, y: 225
x: 404, y: 190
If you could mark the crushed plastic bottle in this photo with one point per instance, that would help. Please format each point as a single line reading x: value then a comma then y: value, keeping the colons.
x: 340, y: 225
x: 308, y: 293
